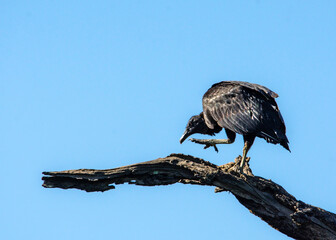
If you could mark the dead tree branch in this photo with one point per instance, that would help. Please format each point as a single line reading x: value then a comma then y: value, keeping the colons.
x: 262, y: 197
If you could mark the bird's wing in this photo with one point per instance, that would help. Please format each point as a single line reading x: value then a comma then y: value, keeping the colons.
x: 241, y: 109
x: 266, y: 92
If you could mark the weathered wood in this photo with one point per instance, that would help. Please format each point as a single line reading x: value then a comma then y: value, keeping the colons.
x: 262, y: 197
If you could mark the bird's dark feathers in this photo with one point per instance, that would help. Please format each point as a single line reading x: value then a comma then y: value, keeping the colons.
x: 261, y: 89
x: 245, y: 108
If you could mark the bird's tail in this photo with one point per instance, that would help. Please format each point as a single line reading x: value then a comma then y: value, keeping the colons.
x: 284, y: 143
x: 276, y: 137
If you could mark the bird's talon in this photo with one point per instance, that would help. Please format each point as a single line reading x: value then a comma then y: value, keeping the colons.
x: 207, y: 143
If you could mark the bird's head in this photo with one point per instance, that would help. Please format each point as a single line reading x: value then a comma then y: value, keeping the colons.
x: 196, y: 124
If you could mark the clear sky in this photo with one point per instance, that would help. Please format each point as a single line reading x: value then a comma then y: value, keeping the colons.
x: 102, y: 84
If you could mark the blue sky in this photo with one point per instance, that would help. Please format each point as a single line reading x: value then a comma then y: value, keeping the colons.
x: 102, y: 84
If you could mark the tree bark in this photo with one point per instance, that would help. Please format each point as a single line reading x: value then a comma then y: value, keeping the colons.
x: 264, y: 198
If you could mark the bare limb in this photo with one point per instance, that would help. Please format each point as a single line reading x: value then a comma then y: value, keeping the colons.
x: 262, y: 197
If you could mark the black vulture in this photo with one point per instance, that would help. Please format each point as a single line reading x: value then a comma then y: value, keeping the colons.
x: 238, y: 107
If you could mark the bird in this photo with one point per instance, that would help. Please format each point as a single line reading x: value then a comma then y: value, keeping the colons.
x: 239, y: 107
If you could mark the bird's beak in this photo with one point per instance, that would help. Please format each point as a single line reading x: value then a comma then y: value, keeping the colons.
x: 185, y: 135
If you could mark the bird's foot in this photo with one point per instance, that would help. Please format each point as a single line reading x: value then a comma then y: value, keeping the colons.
x: 243, y: 166
x: 207, y: 142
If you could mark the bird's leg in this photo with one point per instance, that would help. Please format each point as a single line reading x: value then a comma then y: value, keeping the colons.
x: 248, y: 141
x: 212, y: 142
